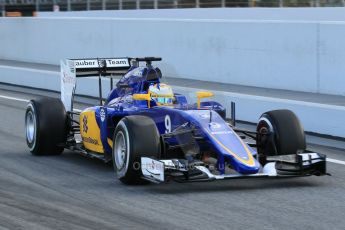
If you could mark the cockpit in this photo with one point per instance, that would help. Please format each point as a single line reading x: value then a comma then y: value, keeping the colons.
x: 137, y: 80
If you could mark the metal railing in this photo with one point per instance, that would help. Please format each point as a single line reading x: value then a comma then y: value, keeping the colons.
x: 69, y: 5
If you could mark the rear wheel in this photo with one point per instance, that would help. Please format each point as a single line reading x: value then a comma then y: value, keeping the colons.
x: 279, y: 133
x: 45, y: 126
x: 134, y: 137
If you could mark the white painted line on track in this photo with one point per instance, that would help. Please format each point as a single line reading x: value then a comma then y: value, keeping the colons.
x: 336, y: 161
x: 13, y: 98
x: 78, y: 110
x: 30, y: 69
x: 25, y: 100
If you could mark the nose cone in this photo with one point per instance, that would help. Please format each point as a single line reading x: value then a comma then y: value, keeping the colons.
x: 232, y: 147
x: 243, y: 168
x: 239, y: 154
x: 226, y: 142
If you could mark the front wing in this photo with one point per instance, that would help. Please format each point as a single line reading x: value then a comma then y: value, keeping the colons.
x: 297, y: 165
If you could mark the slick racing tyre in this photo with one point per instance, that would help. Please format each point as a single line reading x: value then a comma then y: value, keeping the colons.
x: 134, y: 137
x: 280, y: 133
x: 46, y: 126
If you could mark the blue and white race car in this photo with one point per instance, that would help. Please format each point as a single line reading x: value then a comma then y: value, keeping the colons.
x: 152, y: 134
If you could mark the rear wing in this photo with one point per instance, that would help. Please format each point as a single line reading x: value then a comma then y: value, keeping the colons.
x: 101, y: 66
x: 71, y: 69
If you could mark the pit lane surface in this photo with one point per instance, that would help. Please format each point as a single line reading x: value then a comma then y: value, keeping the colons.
x: 73, y: 192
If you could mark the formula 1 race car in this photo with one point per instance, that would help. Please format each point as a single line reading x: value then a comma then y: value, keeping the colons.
x: 152, y: 134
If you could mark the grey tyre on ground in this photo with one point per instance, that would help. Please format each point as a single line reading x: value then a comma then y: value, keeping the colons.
x: 46, y: 126
x: 134, y: 137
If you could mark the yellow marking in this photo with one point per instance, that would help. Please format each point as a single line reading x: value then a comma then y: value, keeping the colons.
x: 142, y: 97
x: 110, y: 142
x: 203, y: 94
x: 90, y: 134
x: 249, y: 162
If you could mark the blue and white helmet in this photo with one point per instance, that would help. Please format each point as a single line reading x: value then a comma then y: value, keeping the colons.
x: 162, y: 94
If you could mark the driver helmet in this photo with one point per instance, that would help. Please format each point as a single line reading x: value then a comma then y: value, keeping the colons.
x: 162, y: 94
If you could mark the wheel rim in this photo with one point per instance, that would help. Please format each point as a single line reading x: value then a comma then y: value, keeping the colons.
x: 266, y: 138
x: 120, y: 150
x: 30, y: 124
x: 265, y: 126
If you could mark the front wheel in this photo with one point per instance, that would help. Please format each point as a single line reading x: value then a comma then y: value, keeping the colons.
x: 134, y: 137
x: 279, y: 133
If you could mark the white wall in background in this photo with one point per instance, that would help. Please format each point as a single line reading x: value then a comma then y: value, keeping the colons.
x: 302, y: 56
x: 318, y: 118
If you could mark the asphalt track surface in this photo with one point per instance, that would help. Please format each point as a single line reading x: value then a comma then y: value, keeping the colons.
x: 74, y: 192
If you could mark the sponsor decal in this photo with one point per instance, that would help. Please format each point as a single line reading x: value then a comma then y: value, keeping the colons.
x: 152, y: 168
x: 71, y: 66
x: 221, y: 132
x: 117, y: 62
x: 67, y: 79
x: 90, y: 140
x: 85, y: 128
x: 99, y: 63
x: 153, y: 165
x: 215, y: 125
x: 102, y: 114
x: 86, y: 63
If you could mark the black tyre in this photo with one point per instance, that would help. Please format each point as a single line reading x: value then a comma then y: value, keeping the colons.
x: 46, y: 126
x: 134, y: 137
x: 287, y: 134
